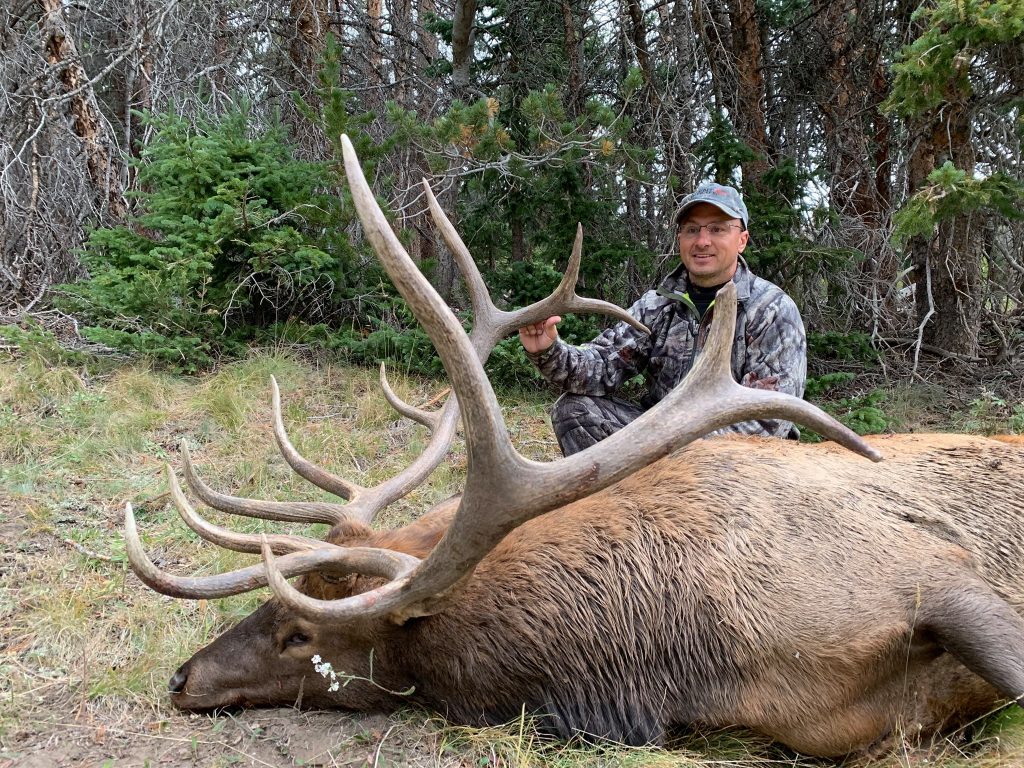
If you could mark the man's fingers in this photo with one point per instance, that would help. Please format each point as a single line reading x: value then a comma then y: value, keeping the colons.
x: 543, y: 327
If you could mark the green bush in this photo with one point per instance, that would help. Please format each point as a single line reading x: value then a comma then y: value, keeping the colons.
x: 860, y: 412
x: 233, y: 234
x: 990, y: 414
x: 41, y: 344
x: 831, y: 345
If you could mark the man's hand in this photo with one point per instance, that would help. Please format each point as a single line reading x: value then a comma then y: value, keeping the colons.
x: 539, y: 336
x: 770, y: 383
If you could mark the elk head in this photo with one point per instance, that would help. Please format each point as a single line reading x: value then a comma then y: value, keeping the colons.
x: 361, y: 591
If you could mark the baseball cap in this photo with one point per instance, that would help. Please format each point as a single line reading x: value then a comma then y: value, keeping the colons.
x: 726, y: 199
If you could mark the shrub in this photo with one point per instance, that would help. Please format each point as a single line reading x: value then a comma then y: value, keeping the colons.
x: 860, y: 412
x: 233, y: 234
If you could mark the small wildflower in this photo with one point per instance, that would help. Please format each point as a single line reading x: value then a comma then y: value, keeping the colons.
x: 342, y: 679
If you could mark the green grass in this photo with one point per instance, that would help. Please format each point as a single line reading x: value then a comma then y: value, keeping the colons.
x: 80, y: 634
x: 74, y: 448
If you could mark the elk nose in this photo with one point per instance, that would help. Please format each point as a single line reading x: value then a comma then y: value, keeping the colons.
x: 177, y: 684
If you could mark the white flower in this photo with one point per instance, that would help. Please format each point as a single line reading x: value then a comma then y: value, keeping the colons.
x: 316, y: 658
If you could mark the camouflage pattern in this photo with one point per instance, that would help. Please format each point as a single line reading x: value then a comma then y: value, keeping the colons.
x: 580, y: 421
x: 769, y: 351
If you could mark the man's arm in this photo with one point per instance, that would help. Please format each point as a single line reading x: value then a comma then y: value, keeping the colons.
x: 598, y: 368
x: 776, y: 359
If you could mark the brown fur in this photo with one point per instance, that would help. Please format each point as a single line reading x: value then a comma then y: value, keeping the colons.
x: 796, y: 590
x: 1011, y: 439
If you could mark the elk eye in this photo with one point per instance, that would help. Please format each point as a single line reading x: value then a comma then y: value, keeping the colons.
x: 296, y: 638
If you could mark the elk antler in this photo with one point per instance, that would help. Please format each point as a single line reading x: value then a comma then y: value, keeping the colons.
x: 490, y: 326
x: 364, y: 503
x: 340, y: 560
x: 503, y: 488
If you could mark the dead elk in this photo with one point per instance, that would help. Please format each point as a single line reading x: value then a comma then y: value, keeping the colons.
x: 654, y: 580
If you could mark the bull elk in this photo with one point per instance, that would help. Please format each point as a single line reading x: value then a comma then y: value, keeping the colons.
x: 652, y: 581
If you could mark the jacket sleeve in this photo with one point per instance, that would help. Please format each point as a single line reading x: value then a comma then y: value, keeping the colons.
x: 776, y: 359
x: 603, y: 365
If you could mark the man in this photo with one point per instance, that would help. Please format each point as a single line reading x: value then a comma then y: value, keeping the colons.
x: 769, y: 351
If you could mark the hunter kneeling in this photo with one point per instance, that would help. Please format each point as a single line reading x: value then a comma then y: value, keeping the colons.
x: 769, y: 348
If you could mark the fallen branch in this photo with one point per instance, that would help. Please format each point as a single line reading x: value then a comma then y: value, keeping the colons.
x: 87, y: 552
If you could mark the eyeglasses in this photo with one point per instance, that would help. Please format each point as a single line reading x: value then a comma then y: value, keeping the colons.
x: 718, y: 229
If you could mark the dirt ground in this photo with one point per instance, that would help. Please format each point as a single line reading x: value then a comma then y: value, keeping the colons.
x: 97, y: 736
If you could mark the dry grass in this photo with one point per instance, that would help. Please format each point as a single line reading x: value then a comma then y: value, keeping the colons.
x: 85, y: 650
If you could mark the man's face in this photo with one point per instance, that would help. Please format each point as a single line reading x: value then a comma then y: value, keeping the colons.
x: 710, y: 260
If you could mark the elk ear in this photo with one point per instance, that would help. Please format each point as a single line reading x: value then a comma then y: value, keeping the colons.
x: 420, y: 536
x: 346, y: 532
x: 431, y: 605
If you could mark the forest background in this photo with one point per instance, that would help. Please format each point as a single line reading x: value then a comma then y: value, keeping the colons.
x: 170, y: 185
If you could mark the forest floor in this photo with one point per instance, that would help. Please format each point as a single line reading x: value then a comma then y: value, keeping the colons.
x: 86, y: 650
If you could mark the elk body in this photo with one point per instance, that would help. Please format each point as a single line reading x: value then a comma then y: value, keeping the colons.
x: 653, y: 581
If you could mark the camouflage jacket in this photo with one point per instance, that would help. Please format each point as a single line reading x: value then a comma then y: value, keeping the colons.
x: 769, y: 347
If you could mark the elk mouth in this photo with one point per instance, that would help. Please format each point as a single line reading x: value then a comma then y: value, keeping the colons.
x: 190, y: 692
x: 214, y: 702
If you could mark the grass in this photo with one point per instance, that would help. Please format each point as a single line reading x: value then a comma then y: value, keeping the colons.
x: 84, y: 645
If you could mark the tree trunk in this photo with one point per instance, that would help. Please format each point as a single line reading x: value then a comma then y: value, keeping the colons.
x: 713, y: 27
x: 374, y: 44
x: 307, y: 39
x: 427, y: 40
x: 676, y: 38
x: 138, y: 80
x: 749, y: 117
x: 519, y: 249
x: 400, y: 17
x: 947, y: 266
x: 574, y: 98
x: 850, y: 84
x: 62, y: 54
x: 462, y: 45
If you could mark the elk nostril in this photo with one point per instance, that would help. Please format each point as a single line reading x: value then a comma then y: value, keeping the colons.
x: 177, y: 684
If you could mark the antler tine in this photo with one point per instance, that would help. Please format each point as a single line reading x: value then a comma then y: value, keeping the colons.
x: 319, y: 477
x: 478, y: 293
x: 365, y: 503
x: 284, y: 511
x: 239, y: 542
x: 503, y: 489
x: 329, y: 558
x: 374, y: 499
x: 446, y: 333
x: 565, y: 299
x: 427, y: 419
x: 491, y: 324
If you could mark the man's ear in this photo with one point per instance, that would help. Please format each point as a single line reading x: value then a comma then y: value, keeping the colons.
x: 744, y: 239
